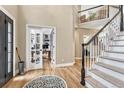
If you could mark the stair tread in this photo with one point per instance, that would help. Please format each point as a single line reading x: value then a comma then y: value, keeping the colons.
x: 112, y: 58
x: 116, y: 45
x: 117, y: 69
x: 94, y: 83
x: 118, y: 39
x: 111, y: 79
x: 120, y: 35
x: 111, y: 51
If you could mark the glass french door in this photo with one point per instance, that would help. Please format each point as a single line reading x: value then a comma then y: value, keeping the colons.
x: 6, y: 48
x: 36, y: 41
x: 9, y: 48
x: 2, y: 48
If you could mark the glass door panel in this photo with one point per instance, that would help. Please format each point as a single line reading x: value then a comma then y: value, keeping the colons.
x: 9, y: 37
x: 9, y: 57
x: 9, y: 47
x: 9, y: 52
x: 9, y: 67
x: 35, y: 48
x: 38, y: 47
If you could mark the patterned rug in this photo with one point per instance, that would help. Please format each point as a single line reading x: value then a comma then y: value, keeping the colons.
x: 46, y: 81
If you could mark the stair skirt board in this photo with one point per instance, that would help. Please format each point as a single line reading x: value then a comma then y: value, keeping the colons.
x: 109, y: 72
x: 88, y: 85
x: 101, y: 80
x: 111, y: 62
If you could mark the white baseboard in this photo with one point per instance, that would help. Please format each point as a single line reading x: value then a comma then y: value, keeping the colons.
x: 78, y: 58
x: 64, y: 64
x: 17, y: 71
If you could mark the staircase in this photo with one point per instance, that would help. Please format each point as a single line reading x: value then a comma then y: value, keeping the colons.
x: 103, y: 56
x: 108, y: 71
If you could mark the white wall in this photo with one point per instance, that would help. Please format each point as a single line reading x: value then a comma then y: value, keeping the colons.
x: 83, y: 7
x: 79, y: 38
x: 59, y: 16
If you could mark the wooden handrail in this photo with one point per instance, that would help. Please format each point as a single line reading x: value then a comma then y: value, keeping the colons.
x: 93, y: 38
x: 114, y: 6
x: 101, y: 30
x: 90, y: 8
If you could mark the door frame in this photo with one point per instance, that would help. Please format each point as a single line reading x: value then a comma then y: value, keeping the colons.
x: 27, y: 41
x: 14, y: 37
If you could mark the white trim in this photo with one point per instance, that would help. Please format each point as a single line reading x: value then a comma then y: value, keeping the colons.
x: 17, y: 72
x: 14, y: 35
x: 27, y: 66
x: 65, y: 64
x: 27, y: 36
x: 39, y: 26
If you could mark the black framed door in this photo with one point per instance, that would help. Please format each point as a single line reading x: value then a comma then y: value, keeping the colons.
x: 6, y: 48
x: 9, y: 48
x: 2, y: 49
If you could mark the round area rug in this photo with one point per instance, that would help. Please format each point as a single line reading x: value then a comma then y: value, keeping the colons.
x: 46, y: 81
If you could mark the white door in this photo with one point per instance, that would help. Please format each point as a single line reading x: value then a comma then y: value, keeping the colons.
x: 36, y: 41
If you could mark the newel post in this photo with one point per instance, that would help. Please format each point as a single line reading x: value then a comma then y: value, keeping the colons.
x: 83, y: 68
x: 121, y: 24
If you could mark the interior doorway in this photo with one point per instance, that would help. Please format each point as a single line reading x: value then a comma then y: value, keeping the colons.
x: 40, y: 46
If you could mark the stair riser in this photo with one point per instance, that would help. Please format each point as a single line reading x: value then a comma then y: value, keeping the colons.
x: 118, y: 42
x: 101, y: 80
x: 109, y: 72
x: 118, y: 49
x: 115, y: 55
x: 120, y: 33
x: 120, y: 37
x: 112, y: 62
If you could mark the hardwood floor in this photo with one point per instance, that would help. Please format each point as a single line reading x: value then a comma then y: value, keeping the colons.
x: 70, y: 74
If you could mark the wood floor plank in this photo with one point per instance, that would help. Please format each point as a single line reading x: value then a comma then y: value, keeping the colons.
x: 70, y: 74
